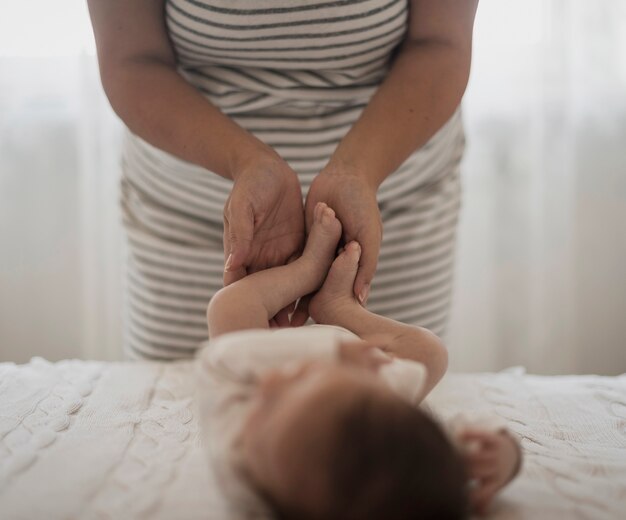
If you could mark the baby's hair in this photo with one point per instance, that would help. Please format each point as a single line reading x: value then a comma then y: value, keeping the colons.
x: 389, y: 460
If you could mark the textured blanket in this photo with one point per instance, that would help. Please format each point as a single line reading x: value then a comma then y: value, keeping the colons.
x: 87, y: 440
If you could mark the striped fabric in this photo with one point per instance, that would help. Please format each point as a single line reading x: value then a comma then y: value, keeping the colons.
x: 297, y: 74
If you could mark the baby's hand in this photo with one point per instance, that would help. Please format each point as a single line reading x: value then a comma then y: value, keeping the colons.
x: 492, y: 460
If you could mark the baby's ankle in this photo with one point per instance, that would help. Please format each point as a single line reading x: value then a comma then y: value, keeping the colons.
x: 340, y: 311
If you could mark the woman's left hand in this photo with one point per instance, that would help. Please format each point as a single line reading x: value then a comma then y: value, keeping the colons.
x: 353, y: 198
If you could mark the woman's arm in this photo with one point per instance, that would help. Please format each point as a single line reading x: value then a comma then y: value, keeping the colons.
x: 263, y: 221
x: 138, y: 73
x: 422, y: 90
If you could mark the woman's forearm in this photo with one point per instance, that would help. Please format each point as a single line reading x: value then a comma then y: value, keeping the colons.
x: 422, y: 90
x: 157, y: 104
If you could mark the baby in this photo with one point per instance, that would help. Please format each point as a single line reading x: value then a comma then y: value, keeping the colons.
x: 324, y: 421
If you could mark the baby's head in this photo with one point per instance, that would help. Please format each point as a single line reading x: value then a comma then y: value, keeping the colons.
x: 331, y: 441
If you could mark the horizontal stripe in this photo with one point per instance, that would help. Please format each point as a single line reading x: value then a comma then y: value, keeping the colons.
x: 421, y: 272
x: 175, y: 283
x: 171, y: 19
x: 416, y: 251
x: 273, y: 10
x: 411, y: 288
x: 291, y: 23
x: 162, y: 341
x: 266, y: 118
x: 172, y: 190
x: 172, y: 250
x: 427, y: 302
x: 177, y: 37
x: 156, y: 350
x: 166, y: 316
x: 380, y: 59
x: 135, y: 351
x: 379, y: 53
x: 167, y: 331
x: 181, y: 278
x: 435, y: 320
x: 301, y: 52
x: 223, y: 83
x: 429, y: 257
x: 398, y: 225
x: 192, y: 230
x: 168, y: 304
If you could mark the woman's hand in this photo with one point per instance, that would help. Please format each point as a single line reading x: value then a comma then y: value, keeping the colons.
x: 353, y: 198
x: 263, y: 219
x: 492, y: 460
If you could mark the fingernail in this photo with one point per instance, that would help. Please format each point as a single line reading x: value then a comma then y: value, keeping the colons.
x: 364, y: 293
x: 229, y: 262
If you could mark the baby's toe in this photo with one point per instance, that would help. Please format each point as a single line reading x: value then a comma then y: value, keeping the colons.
x: 347, y: 263
x: 328, y: 215
x: 318, y: 211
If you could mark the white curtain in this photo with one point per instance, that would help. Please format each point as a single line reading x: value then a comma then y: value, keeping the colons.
x: 541, y: 276
x: 540, y: 279
x: 61, y: 245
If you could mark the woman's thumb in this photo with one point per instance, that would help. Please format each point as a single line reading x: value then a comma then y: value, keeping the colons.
x: 240, y: 230
x: 370, y: 244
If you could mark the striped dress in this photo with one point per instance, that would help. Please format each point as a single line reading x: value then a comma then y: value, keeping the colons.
x: 297, y: 74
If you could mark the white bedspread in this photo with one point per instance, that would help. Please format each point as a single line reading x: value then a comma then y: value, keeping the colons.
x: 120, y: 440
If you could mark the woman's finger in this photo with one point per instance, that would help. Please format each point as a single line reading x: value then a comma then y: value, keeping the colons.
x: 301, y: 314
x: 239, y: 232
x: 282, y: 317
x: 370, y: 248
x: 230, y: 276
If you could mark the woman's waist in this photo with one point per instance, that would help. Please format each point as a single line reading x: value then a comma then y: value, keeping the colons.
x: 263, y: 92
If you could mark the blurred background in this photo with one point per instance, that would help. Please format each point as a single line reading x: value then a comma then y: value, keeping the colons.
x: 541, y: 258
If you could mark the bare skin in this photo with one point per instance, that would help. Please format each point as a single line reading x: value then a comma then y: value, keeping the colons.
x: 424, y: 86
x: 280, y: 418
x: 255, y: 299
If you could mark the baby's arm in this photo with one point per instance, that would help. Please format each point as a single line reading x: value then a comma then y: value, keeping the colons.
x: 252, y: 301
x: 493, y: 459
x: 404, y: 341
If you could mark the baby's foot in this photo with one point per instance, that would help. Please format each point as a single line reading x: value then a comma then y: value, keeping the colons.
x: 321, y: 243
x: 337, y: 295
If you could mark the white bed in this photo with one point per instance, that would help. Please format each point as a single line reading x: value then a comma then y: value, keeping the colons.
x: 120, y: 440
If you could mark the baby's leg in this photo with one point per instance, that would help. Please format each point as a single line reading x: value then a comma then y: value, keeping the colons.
x: 252, y: 301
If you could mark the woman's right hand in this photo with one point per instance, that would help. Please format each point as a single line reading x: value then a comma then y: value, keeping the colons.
x: 263, y: 217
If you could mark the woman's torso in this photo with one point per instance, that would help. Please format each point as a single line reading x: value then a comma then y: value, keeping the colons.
x: 305, y: 57
x: 295, y: 73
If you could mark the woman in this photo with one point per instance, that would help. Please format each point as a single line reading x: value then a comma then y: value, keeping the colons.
x: 241, y: 116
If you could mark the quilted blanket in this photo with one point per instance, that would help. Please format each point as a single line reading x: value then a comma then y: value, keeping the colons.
x: 97, y: 440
